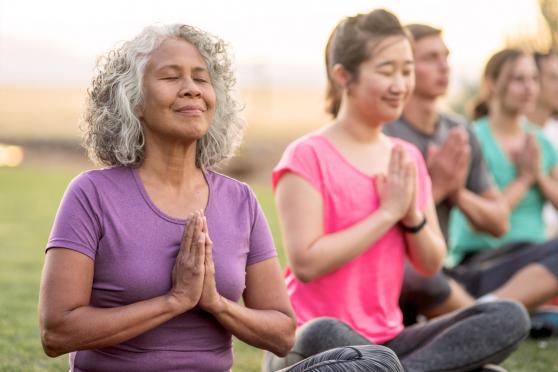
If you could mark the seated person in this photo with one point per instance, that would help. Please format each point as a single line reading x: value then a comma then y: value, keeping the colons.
x: 148, y: 258
x: 521, y: 265
x: 456, y: 167
x: 349, y: 223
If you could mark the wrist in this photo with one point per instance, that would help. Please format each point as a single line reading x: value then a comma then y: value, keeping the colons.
x: 217, y: 307
x: 413, y: 218
x: 415, y: 227
x: 176, y: 305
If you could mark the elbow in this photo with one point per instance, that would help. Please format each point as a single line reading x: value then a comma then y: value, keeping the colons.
x: 52, y: 344
x: 501, y: 228
x: 286, y: 340
x: 303, y: 273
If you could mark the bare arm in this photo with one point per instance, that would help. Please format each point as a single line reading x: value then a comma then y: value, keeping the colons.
x: 487, y: 212
x: 427, y: 248
x: 69, y: 323
x: 267, y: 321
x: 311, y: 253
x: 548, y: 184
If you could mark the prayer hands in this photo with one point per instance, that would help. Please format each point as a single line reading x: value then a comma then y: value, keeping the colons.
x: 397, y: 190
x: 193, y: 275
x: 448, y: 165
x: 527, y: 160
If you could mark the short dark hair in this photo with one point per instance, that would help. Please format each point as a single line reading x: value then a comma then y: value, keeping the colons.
x: 420, y: 31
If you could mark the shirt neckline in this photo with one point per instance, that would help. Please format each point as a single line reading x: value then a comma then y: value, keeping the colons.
x: 160, y: 213
x: 345, y: 160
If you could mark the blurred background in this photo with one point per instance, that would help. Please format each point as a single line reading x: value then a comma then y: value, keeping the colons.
x: 48, y: 51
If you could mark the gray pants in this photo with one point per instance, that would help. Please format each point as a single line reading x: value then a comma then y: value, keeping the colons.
x: 464, y: 340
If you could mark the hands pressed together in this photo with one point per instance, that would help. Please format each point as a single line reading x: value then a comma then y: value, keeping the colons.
x: 397, y: 190
x: 527, y: 160
x: 193, y: 274
x: 448, y: 164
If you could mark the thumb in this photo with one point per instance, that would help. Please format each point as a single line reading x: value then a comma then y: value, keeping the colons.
x: 432, y: 151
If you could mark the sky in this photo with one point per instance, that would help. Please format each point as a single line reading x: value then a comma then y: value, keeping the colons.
x: 56, y: 42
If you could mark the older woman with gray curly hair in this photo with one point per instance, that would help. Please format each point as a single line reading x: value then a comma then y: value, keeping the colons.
x: 148, y: 257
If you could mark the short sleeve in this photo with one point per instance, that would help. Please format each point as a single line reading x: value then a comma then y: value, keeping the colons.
x: 479, y: 179
x: 300, y: 158
x: 78, y: 222
x: 261, y: 240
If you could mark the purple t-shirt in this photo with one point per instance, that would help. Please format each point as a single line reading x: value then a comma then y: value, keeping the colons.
x: 107, y: 215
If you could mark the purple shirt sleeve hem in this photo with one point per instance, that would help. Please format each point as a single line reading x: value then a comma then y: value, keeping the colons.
x: 66, y: 244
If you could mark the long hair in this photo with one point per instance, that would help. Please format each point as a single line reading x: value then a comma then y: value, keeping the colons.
x: 113, y: 135
x: 492, y: 72
x: 351, y: 43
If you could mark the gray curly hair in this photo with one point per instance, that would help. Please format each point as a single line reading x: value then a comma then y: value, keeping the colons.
x: 113, y: 135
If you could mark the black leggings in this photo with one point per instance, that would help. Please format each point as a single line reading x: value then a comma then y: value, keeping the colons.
x: 460, y: 341
x: 484, y: 271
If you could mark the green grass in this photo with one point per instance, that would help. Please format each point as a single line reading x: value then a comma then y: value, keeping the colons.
x: 28, y: 201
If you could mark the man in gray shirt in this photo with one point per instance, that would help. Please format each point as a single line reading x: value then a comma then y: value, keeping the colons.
x: 455, y: 164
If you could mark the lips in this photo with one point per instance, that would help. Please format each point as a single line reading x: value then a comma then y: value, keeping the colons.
x: 190, y: 109
x: 394, y: 102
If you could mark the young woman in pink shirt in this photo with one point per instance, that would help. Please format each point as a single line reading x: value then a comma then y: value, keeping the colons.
x: 354, y: 203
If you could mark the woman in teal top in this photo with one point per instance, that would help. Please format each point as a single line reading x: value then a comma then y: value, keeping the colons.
x: 519, y: 265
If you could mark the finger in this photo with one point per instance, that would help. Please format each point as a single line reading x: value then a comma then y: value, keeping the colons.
x: 186, y: 242
x: 398, y: 160
x: 432, y: 151
x: 199, y: 254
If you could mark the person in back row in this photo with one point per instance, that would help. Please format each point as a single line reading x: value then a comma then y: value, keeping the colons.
x: 354, y: 204
x: 522, y: 264
x: 545, y: 116
x: 456, y: 167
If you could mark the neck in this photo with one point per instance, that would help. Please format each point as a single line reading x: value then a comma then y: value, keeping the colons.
x: 170, y: 165
x: 504, y: 123
x: 540, y: 115
x: 353, y: 126
x: 421, y: 113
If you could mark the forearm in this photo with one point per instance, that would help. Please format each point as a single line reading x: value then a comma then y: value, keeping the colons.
x: 88, y: 327
x: 486, y: 215
x: 549, y: 188
x: 271, y: 330
x: 515, y: 191
x: 332, y: 251
x: 426, y: 248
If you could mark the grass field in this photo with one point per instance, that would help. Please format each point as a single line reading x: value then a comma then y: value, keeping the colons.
x: 28, y: 201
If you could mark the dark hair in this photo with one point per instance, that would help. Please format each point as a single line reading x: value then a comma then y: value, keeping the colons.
x: 493, y: 71
x: 351, y: 43
x: 420, y: 31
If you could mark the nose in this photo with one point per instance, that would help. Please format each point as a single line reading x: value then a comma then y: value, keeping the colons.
x: 398, y: 84
x: 189, y: 88
x: 444, y: 66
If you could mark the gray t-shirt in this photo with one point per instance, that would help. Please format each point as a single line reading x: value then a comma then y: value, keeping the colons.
x: 478, y: 179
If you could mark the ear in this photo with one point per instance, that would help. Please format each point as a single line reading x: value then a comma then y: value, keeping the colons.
x: 490, y: 87
x: 341, y: 76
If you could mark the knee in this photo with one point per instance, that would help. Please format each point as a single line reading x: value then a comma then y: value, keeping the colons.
x: 374, y: 358
x: 319, y: 327
x: 511, y: 316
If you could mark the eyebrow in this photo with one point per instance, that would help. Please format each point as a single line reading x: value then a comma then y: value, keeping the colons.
x: 389, y: 63
x: 178, y: 68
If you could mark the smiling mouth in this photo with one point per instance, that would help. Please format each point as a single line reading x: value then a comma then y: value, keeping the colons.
x: 193, y: 111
